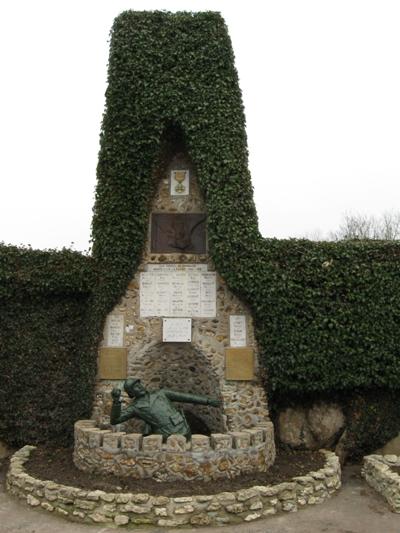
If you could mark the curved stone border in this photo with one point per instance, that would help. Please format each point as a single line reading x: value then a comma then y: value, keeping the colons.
x: 377, y: 473
x: 221, y: 456
x: 138, y: 509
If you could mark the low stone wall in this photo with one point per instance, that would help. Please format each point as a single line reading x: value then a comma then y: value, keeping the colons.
x: 221, y: 456
x: 196, y: 510
x: 377, y: 472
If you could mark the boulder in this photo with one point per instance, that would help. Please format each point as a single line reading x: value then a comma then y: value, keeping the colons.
x: 326, y: 422
x: 311, y: 428
x: 294, y: 430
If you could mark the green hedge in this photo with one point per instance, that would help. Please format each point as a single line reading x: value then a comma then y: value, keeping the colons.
x: 326, y: 314
x: 46, y: 370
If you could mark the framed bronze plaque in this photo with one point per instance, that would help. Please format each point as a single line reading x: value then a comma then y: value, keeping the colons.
x: 239, y: 364
x: 112, y: 363
x: 178, y: 233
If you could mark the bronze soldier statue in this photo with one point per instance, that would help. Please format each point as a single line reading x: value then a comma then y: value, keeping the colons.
x: 155, y: 408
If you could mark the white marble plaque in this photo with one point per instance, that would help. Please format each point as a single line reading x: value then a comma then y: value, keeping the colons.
x: 177, y: 329
x: 179, y: 183
x: 173, y: 291
x: 208, y: 294
x: 237, y: 331
x: 187, y: 267
x: 114, y: 334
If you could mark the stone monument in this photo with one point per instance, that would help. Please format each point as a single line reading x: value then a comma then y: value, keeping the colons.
x: 179, y: 327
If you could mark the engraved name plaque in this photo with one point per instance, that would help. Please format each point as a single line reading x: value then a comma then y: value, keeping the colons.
x: 237, y: 331
x: 177, y: 329
x: 114, y: 334
x: 178, y: 233
x: 175, y: 291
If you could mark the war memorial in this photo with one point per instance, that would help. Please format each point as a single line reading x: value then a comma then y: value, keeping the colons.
x: 184, y: 322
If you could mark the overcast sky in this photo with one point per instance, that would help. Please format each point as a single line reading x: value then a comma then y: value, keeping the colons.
x: 321, y: 89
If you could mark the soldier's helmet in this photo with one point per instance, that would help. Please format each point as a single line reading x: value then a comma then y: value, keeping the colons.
x: 129, y: 386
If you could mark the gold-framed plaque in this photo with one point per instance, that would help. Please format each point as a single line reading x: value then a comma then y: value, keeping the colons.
x: 239, y: 364
x: 112, y: 363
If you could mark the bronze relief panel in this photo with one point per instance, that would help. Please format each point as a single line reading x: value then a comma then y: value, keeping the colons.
x: 178, y: 232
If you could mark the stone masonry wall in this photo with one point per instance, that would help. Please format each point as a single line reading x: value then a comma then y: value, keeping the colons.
x: 378, y: 474
x: 220, y: 456
x: 198, y: 366
x: 120, y: 509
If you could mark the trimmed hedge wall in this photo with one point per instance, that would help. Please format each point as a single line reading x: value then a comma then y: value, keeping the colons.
x: 45, y: 367
x: 326, y: 314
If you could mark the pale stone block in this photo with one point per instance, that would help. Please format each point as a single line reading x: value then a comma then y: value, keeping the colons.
x: 140, y: 497
x: 176, y: 443
x: 112, y: 442
x: 160, y: 500
x: 173, y: 522
x: 256, y: 435
x: 225, y: 497
x: 137, y: 509
x: 83, y: 504
x: 241, y: 439
x: 99, y: 518
x: 152, y: 443
x: 200, y: 443
x: 201, y: 519
x: 93, y: 437
x: 204, y: 498
x: 32, y: 500
x: 122, y: 498
x: 252, y: 516
x: 214, y: 506
x: 47, y: 506
x: 107, y: 497
x: 61, y: 511
x: 235, y: 508
x: 184, y: 509
x: 221, y: 441
x: 131, y: 442
x: 85, y: 424
x: 393, y: 459
x: 246, y: 494
x: 121, y: 519
x: 94, y: 495
x: 256, y: 506
x: 289, y: 506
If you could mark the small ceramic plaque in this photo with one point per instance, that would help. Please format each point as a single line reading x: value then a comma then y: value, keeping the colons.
x: 179, y: 183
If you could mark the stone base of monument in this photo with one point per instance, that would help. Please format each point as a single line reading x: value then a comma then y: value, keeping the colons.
x: 135, y: 509
x: 202, y: 458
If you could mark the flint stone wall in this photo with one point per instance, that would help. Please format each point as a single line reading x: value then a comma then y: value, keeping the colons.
x: 221, y: 456
x: 120, y: 509
x: 378, y: 474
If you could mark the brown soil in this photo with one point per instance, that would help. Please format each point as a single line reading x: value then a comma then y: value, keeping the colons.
x: 57, y: 465
x: 395, y: 469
